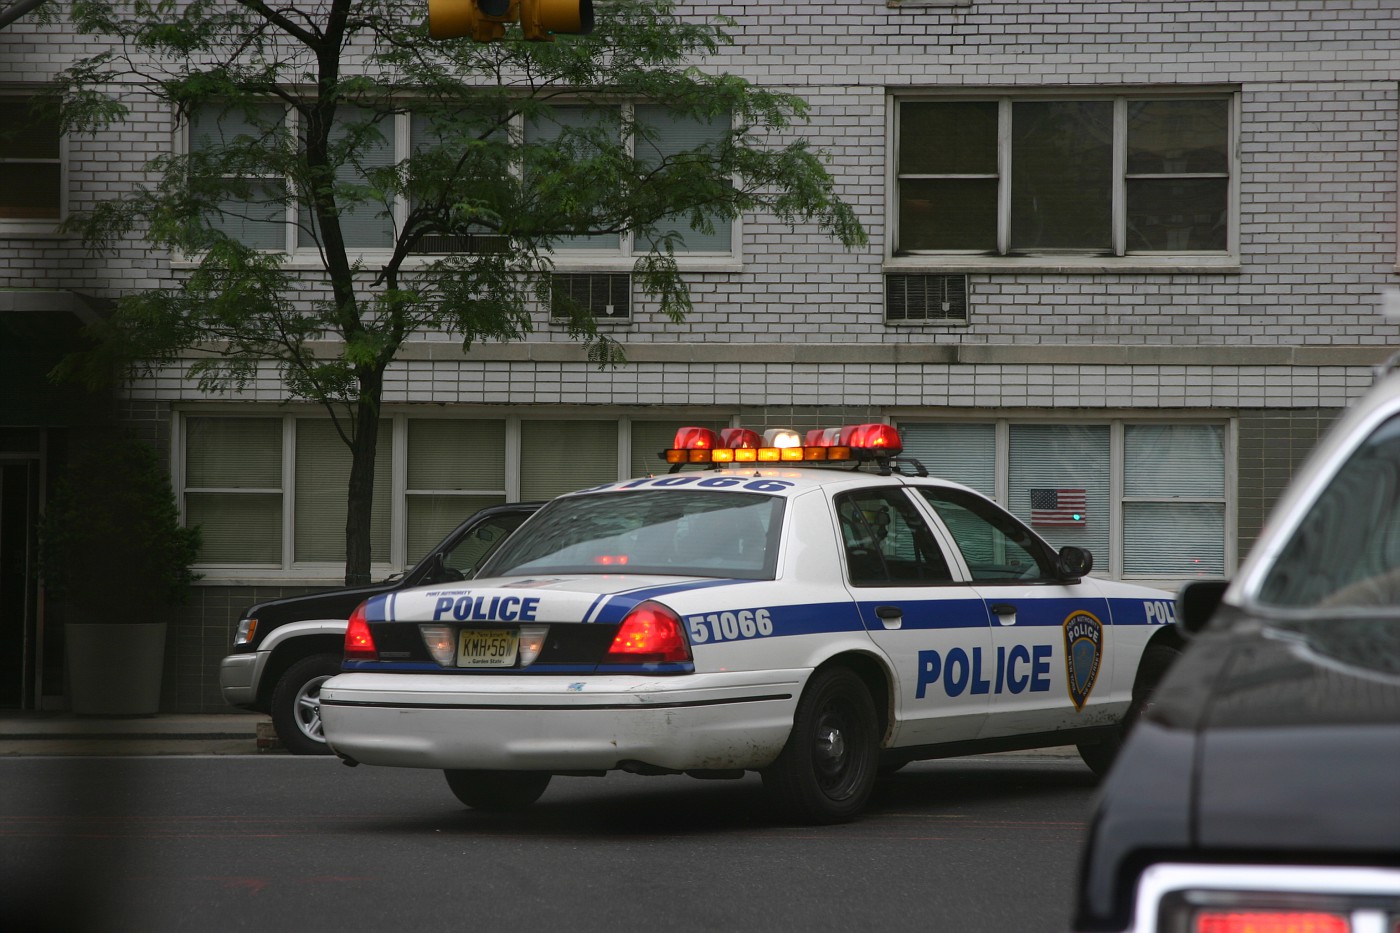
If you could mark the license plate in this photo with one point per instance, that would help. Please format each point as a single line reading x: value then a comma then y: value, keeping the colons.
x: 486, y: 648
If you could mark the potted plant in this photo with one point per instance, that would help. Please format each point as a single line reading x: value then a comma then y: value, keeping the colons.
x: 116, y: 562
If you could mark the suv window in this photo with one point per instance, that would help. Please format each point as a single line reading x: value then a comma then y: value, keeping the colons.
x: 1346, y: 551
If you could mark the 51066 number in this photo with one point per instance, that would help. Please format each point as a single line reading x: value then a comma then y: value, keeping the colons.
x: 729, y: 626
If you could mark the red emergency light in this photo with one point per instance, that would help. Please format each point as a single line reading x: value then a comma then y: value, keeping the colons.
x: 740, y: 445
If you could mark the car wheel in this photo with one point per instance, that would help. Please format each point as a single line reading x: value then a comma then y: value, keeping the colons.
x: 296, y: 704
x: 498, y: 791
x: 1156, y: 660
x: 828, y: 766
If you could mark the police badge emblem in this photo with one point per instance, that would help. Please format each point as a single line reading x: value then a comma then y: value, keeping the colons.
x: 1083, y: 651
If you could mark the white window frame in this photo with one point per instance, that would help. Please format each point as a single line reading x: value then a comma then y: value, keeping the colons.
x: 399, y: 136
x: 1111, y: 565
x: 1049, y: 261
x: 39, y: 227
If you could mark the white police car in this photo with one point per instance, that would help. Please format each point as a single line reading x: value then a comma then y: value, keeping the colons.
x: 814, y: 612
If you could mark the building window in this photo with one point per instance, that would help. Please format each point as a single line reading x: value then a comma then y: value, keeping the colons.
x: 32, y: 167
x: 260, y: 213
x: 270, y: 492
x: 1098, y: 176
x: 1149, y: 500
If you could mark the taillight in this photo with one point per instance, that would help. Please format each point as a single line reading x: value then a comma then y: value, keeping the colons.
x: 359, y: 643
x: 1269, y: 921
x: 650, y: 634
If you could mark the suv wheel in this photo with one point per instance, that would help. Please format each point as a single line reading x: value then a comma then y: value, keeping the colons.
x: 296, y: 704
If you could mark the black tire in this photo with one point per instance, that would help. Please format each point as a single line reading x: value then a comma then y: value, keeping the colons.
x: 296, y: 704
x: 497, y: 791
x: 1153, y: 666
x: 829, y: 764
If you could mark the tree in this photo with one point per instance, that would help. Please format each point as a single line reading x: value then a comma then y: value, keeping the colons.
x: 310, y: 126
x: 20, y: 7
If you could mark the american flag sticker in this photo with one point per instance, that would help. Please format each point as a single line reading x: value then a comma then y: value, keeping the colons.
x: 1058, y: 506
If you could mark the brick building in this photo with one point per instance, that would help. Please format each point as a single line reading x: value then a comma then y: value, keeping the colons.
x: 1134, y: 249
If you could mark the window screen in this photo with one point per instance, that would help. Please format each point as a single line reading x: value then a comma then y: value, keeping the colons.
x: 962, y: 453
x: 561, y: 456
x: 322, y: 479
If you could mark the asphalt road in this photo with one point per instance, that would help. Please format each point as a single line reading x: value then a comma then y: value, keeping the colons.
x: 278, y: 843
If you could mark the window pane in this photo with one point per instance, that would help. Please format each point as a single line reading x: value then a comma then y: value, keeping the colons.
x: 1178, y: 214
x: 30, y: 191
x: 1169, y: 460
x: 456, y: 454
x: 994, y: 546
x: 673, y: 135
x: 260, y: 221
x: 556, y: 127
x: 953, y: 213
x: 1060, y: 483
x: 1174, y: 539
x: 236, y: 528
x: 1174, y: 137
x: 887, y: 542
x: 233, y: 453
x: 560, y: 456
x: 649, y: 438
x: 322, y: 484
x: 431, y: 517
x: 25, y: 134
x: 953, y: 138
x: 366, y: 220
x: 963, y: 453
x: 1062, y: 175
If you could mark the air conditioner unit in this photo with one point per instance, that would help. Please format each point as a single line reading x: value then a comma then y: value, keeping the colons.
x: 439, y: 244
x: 925, y: 298
x: 605, y: 295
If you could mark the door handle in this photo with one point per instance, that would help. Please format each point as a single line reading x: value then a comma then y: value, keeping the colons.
x: 891, y: 616
x: 1005, y: 613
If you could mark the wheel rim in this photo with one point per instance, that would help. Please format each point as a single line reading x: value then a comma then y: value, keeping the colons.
x: 308, y: 709
x: 836, y: 764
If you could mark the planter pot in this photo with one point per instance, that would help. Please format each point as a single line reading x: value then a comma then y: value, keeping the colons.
x: 114, y: 669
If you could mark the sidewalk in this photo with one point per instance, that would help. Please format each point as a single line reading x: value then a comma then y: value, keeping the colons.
x: 24, y: 734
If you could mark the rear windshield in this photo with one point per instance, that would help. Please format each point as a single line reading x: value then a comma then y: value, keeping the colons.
x: 1346, y: 552
x: 682, y: 532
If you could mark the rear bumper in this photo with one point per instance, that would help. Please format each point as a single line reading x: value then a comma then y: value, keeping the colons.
x: 685, y: 723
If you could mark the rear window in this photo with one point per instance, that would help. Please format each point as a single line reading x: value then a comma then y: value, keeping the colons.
x: 681, y: 532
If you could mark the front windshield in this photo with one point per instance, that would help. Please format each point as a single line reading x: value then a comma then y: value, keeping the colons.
x: 1346, y: 552
x: 682, y: 532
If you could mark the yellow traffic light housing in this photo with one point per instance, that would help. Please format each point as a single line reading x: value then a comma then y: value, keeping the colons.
x: 485, y: 20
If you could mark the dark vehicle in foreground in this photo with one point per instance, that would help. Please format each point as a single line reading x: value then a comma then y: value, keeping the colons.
x: 1260, y: 790
x: 285, y: 649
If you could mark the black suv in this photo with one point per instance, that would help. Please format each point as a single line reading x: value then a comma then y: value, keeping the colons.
x: 286, y: 648
x: 1260, y: 789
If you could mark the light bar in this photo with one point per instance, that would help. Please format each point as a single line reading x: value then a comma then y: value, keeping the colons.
x: 856, y: 442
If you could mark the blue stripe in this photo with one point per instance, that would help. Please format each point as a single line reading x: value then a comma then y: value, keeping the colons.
x: 930, y: 613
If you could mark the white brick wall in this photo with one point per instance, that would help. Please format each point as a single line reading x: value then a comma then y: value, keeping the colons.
x: 1318, y: 165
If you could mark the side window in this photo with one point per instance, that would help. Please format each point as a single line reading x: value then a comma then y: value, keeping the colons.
x: 993, y: 544
x: 887, y: 541
x: 476, y: 545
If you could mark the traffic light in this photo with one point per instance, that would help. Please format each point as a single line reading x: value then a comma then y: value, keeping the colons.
x: 485, y: 20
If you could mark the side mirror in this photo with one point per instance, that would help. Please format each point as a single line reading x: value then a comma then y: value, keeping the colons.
x: 1197, y: 602
x: 1075, y: 562
x: 438, y: 572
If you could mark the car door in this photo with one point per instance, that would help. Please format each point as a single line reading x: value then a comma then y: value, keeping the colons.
x: 928, y: 621
x: 1052, y: 638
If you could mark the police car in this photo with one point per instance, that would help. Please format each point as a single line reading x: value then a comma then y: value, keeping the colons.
x: 815, y: 609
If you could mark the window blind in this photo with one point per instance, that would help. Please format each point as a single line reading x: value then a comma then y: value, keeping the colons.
x: 560, y: 456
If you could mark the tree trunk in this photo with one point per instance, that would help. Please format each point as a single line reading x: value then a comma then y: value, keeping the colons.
x: 360, y: 495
